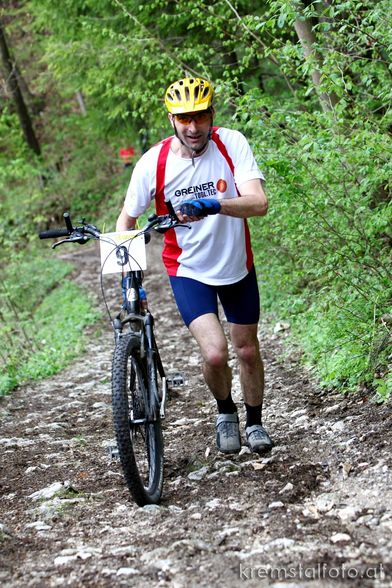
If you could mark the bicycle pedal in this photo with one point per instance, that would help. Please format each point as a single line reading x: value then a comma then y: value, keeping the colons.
x: 113, y: 452
x: 175, y: 380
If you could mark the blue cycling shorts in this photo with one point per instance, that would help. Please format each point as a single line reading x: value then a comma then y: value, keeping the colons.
x: 240, y: 301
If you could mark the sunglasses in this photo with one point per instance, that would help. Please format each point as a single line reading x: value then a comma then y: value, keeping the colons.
x: 199, y: 117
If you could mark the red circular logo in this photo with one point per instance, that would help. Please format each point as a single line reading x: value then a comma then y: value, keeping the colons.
x: 221, y: 186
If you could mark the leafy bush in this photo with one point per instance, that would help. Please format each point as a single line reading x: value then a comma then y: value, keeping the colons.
x: 324, y: 247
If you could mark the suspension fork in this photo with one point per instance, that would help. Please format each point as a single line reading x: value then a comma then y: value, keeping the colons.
x: 153, y: 358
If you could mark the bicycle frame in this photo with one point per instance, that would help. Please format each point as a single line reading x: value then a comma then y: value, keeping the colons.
x: 145, y: 322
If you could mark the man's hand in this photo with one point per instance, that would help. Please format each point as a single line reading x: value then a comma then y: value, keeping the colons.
x: 200, y: 208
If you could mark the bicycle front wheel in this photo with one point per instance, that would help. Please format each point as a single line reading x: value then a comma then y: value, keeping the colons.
x: 137, y: 427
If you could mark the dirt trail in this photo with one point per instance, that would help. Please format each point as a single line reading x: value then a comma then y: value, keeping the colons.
x: 315, y: 512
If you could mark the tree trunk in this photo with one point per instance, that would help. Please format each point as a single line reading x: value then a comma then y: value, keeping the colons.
x: 303, y: 28
x: 15, y: 91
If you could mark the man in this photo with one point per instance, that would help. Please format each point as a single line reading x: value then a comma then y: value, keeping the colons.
x: 209, y: 177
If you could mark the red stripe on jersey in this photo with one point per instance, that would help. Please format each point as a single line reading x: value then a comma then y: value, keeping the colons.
x: 249, y: 252
x: 171, y: 250
x: 160, y: 205
x: 217, y: 140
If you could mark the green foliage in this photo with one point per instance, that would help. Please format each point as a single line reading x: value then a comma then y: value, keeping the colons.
x: 52, y: 337
x: 327, y: 265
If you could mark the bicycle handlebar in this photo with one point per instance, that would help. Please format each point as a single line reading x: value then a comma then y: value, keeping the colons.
x: 83, y: 233
x: 53, y: 233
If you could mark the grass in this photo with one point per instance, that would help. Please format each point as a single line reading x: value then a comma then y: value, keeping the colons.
x: 52, y: 336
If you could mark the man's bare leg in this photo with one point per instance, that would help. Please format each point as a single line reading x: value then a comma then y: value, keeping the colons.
x: 208, y: 332
x: 246, y: 347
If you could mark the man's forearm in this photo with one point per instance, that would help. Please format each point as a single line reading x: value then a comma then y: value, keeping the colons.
x: 125, y: 222
x: 251, y: 202
x: 244, y: 206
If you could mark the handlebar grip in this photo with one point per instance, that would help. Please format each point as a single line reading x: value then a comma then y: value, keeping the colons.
x: 68, y: 223
x: 52, y: 234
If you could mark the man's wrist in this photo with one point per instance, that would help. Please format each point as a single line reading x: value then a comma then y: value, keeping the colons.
x: 222, y: 205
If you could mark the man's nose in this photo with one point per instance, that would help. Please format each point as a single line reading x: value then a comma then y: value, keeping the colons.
x: 193, y: 126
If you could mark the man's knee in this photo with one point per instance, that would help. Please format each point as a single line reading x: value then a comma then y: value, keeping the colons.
x: 215, y: 357
x: 248, y: 352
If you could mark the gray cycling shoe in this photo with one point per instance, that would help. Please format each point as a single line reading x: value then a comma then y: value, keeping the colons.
x: 228, y: 438
x: 258, y: 439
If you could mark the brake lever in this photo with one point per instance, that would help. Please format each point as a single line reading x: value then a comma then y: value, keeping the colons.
x: 169, y: 224
x: 78, y: 238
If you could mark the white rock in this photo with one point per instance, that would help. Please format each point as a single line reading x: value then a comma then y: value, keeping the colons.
x: 198, y: 474
x: 38, y: 526
x: 181, y: 422
x: 214, y: 503
x: 339, y: 426
x: 331, y: 408
x: 281, y: 542
x: 277, y: 504
x: 228, y: 531
x: 151, y: 508
x: 289, y: 486
x: 108, y: 572
x: 302, y: 421
x: 154, y: 555
x: 5, y: 530
x: 237, y: 506
x: 63, y: 560
x: 86, y: 554
x: 350, y: 513
x: 174, y: 508
x: 244, y: 450
x: 311, y: 512
x: 325, y: 502
x: 31, y: 469
x: 15, y: 442
x: 127, y: 572
x: 281, y: 326
x: 298, y: 413
x: 165, y: 565
x: 340, y: 538
x: 49, y: 491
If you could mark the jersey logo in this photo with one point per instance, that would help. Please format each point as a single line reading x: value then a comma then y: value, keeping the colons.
x: 221, y: 185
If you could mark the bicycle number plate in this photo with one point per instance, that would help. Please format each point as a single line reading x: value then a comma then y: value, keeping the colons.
x: 122, y: 250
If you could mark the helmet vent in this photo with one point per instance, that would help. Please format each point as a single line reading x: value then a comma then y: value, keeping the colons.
x: 189, y: 94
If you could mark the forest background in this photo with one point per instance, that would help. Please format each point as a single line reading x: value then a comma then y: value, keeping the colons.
x: 309, y: 84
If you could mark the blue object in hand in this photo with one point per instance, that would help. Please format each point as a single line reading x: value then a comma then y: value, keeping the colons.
x: 201, y: 207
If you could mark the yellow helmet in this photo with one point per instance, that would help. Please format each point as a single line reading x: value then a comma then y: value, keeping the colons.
x: 189, y: 95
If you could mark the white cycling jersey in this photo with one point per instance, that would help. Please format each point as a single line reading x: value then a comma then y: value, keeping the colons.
x: 215, y: 250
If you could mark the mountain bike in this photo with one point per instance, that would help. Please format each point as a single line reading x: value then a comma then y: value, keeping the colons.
x: 139, y: 383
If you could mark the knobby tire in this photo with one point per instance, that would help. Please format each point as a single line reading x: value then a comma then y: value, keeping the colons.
x: 140, y: 443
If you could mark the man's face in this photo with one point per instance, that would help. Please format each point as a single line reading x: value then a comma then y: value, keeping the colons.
x: 193, y: 127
